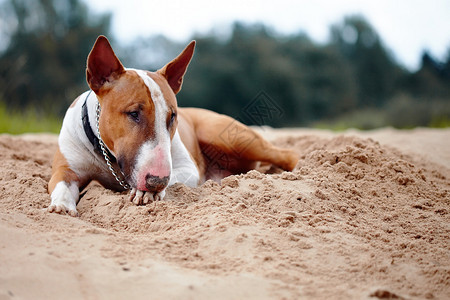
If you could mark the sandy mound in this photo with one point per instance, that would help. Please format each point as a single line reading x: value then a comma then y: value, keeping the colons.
x: 363, y: 215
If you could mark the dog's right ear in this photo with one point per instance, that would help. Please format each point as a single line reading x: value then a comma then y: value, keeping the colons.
x: 103, y: 66
x: 174, y: 70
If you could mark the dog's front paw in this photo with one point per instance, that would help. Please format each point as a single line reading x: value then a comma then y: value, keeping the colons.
x: 61, y: 209
x: 140, y: 197
x: 64, y: 199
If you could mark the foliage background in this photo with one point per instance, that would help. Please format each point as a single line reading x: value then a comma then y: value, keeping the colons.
x: 351, y: 81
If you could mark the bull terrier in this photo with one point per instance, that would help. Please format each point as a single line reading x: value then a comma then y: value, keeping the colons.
x: 128, y: 133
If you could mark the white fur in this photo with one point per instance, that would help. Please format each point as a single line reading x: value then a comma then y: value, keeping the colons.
x: 184, y: 169
x: 162, y: 135
x: 73, y: 143
x: 65, y: 198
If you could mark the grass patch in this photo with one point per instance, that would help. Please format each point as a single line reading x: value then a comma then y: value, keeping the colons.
x: 28, y: 120
x: 361, y: 119
x: 402, y: 112
x: 440, y: 122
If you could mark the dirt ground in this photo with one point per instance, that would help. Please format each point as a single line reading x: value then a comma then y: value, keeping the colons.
x: 364, y: 215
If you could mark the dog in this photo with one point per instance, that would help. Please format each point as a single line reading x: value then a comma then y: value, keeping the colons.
x: 128, y: 133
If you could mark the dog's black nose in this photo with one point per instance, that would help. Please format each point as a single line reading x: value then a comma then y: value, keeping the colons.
x: 156, y: 184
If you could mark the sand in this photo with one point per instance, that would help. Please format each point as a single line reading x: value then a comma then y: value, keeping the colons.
x: 364, y: 215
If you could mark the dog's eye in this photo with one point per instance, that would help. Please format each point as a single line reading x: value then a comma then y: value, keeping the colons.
x: 134, y: 115
x: 172, y: 119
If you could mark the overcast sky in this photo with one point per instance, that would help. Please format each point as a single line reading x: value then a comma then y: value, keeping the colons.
x: 406, y: 26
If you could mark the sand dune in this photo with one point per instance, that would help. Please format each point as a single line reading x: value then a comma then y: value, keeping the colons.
x: 364, y: 215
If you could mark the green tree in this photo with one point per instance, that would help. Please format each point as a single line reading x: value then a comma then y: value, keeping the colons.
x: 376, y: 72
x: 431, y: 80
x: 47, y: 45
x: 304, y: 80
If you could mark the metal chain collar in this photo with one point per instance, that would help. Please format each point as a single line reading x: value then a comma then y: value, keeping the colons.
x: 105, y: 154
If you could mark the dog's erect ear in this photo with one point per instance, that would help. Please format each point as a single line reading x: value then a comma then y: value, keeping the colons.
x: 102, y: 65
x: 174, y: 70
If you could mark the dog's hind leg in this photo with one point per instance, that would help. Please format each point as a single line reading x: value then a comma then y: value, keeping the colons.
x: 238, y: 140
x: 249, y: 145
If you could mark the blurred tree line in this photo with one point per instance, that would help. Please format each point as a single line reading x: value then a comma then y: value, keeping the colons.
x: 47, y: 42
x: 351, y: 81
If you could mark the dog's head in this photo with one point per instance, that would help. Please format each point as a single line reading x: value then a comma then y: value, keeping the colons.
x: 138, y: 113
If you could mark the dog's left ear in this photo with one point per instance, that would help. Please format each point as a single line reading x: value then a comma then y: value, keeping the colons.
x: 175, y: 70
